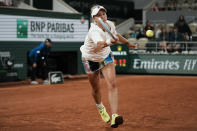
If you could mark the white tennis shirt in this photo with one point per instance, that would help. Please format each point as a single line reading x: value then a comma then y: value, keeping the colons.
x: 96, y: 34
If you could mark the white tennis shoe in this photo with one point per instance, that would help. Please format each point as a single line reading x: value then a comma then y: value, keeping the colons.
x: 45, y: 82
x: 34, y: 82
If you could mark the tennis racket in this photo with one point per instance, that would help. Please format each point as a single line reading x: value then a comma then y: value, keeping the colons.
x: 106, y: 28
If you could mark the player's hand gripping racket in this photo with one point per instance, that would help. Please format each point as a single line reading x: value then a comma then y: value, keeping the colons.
x: 106, y: 28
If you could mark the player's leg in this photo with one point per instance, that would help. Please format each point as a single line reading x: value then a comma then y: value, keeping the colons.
x: 110, y: 77
x: 94, y: 79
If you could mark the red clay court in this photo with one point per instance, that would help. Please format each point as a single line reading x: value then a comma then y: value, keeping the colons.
x: 147, y: 103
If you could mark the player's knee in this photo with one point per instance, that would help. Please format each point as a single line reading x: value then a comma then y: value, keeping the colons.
x: 112, y: 85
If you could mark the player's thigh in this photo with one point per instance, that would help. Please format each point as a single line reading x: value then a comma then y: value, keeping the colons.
x: 94, y: 79
x: 109, y: 74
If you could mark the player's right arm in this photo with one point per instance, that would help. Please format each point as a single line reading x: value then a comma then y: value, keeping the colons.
x: 99, y: 42
x: 125, y: 41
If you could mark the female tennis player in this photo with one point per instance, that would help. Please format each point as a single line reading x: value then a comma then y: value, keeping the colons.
x: 97, y: 57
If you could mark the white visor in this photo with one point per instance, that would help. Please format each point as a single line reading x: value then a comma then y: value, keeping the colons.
x: 96, y: 10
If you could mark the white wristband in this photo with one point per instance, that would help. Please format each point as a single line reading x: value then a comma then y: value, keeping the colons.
x: 108, y: 42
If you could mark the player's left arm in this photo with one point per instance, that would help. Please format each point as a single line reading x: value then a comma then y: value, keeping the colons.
x: 125, y: 41
x: 121, y: 39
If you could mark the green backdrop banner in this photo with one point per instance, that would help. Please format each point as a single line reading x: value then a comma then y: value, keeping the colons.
x: 17, y: 26
x: 163, y: 64
x: 153, y: 63
x: 121, y: 59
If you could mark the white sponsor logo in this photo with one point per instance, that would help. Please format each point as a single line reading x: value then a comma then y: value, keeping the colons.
x: 55, y: 79
x: 119, y: 53
x: 189, y: 64
x: 18, y: 65
x: 31, y: 28
x: 12, y: 74
x: 156, y: 65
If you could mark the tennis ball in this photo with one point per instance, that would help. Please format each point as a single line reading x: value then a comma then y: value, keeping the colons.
x: 149, y: 33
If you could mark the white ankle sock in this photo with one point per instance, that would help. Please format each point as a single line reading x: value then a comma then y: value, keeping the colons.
x: 100, y: 106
